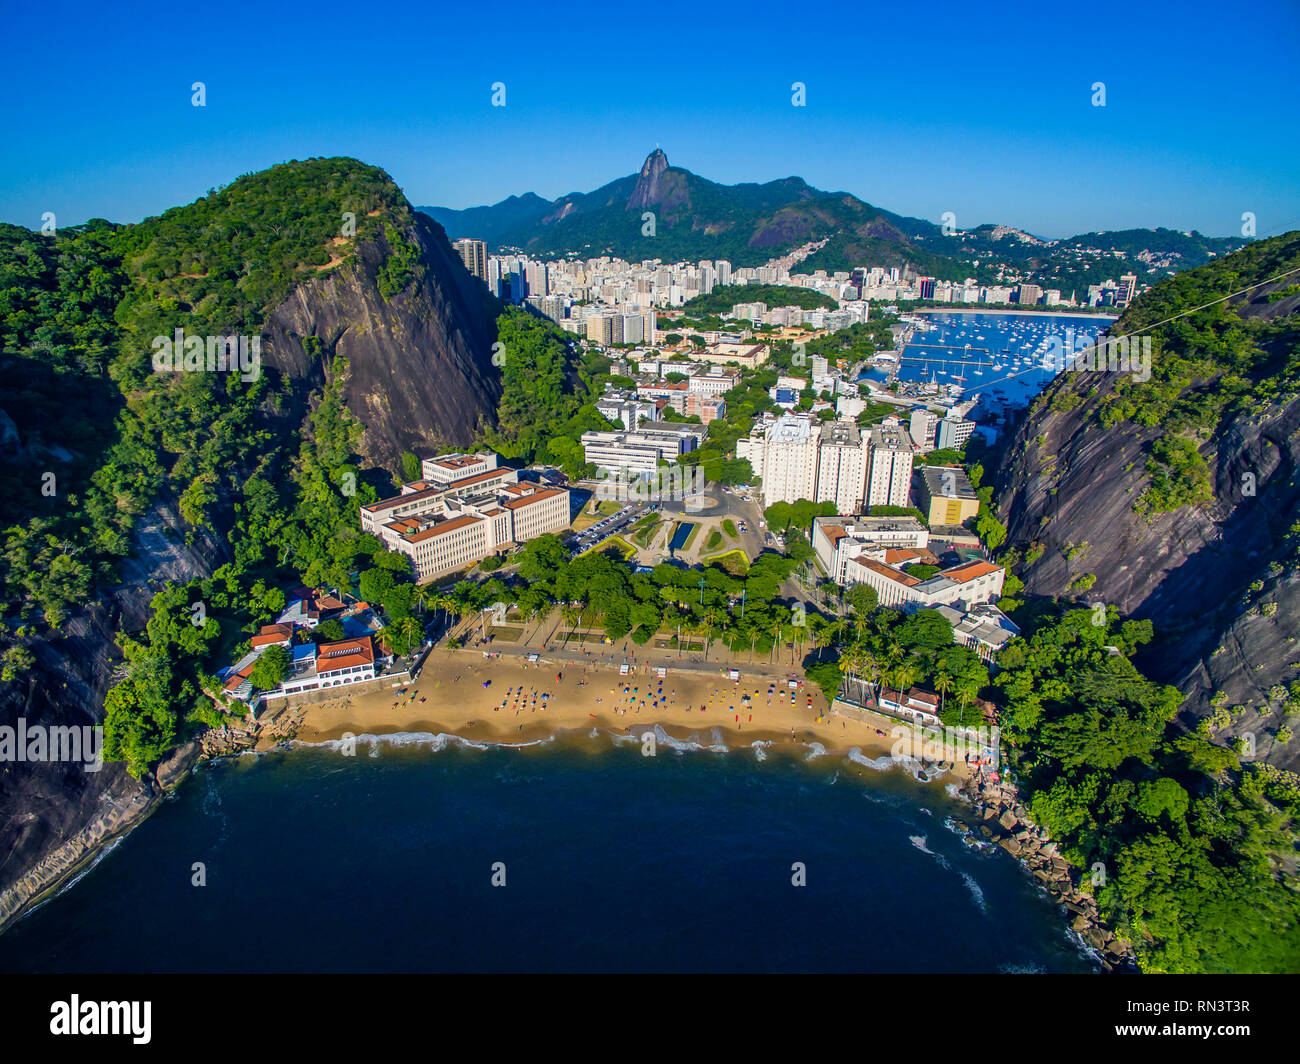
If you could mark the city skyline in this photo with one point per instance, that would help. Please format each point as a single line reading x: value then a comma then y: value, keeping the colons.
x: 962, y: 112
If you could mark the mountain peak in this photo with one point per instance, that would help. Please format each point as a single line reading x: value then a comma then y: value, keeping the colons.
x: 655, y: 163
x: 647, y: 191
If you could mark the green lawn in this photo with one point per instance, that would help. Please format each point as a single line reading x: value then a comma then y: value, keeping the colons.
x: 736, y: 562
x: 714, y: 541
x: 729, y: 527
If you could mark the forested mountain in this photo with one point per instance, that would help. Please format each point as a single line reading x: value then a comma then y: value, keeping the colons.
x: 133, y: 493
x: 1165, y: 505
x: 1177, y: 498
x: 748, y: 224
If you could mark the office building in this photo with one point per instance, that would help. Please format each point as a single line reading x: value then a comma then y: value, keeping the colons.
x: 946, y: 496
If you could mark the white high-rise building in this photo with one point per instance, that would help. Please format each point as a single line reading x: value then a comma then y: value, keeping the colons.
x: 799, y: 457
x: 784, y: 454
x: 889, y: 473
x: 922, y: 428
x: 842, y: 466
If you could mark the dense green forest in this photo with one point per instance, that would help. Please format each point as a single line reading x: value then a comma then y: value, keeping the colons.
x: 549, y: 391
x: 1190, y: 854
x: 724, y: 297
x: 1211, y: 363
x: 103, y: 437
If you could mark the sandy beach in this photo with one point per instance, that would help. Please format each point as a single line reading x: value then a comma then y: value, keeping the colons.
x: 526, y: 701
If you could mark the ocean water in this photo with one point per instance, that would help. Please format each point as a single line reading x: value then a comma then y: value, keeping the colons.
x: 383, y: 862
x: 1003, y: 363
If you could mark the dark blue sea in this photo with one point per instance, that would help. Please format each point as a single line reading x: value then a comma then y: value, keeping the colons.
x: 383, y: 862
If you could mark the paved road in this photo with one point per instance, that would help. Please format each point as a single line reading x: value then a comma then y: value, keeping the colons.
x: 640, y: 657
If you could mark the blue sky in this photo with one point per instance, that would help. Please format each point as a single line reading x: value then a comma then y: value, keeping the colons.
x: 918, y: 108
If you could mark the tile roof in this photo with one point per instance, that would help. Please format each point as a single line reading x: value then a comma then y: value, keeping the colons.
x: 971, y: 571
x: 441, y: 529
x: 270, y: 634
x: 331, y: 657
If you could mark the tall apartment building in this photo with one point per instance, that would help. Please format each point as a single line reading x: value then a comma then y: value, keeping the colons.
x: 922, y: 427
x: 842, y: 465
x: 1127, y: 289
x: 706, y: 407
x: 1029, y: 294
x: 600, y: 328
x: 889, y: 472
x: 473, y: 253
x: 783, y: 452
x: 799, y: 457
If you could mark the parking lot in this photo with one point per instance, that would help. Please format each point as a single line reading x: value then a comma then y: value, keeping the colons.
x: 607, y: 527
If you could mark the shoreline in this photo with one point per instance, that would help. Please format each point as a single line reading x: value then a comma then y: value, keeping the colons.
x: 689, y: 705
x: 1022, y: 313
x: 701, y: 709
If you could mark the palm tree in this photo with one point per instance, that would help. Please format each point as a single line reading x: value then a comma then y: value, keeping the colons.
x: 423, y: 595
x: 798, y: 633
x: 903, y: 675
x: 852, y: 663
x: 444, y: 603
x: 713, y: 617
x: 869, y: 668
x: 774, y: 629
x: 964, y: 695
x: 942, y: 684
x: 821, y: 634
x: 570, y: 614
x: 861, y: 625
x: 384, y: 637
x: 410, y: 630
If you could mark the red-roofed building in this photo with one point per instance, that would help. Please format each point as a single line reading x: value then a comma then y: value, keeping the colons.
x: 963, y: 586
x: 477, y: 509
x: 273, y: 635
x: 917, y: 705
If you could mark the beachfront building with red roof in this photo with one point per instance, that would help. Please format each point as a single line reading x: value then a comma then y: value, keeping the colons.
x: 920, y: 706
x: 963, y: 585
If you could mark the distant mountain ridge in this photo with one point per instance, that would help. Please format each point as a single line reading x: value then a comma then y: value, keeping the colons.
x: 748, y: 224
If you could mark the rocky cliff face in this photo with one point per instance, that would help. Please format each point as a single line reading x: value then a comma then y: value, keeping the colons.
x: 1218, y: 581
x: 54, y: 814
x: 649, y: 191
x: 420, y: 377
x: 420, y: 372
